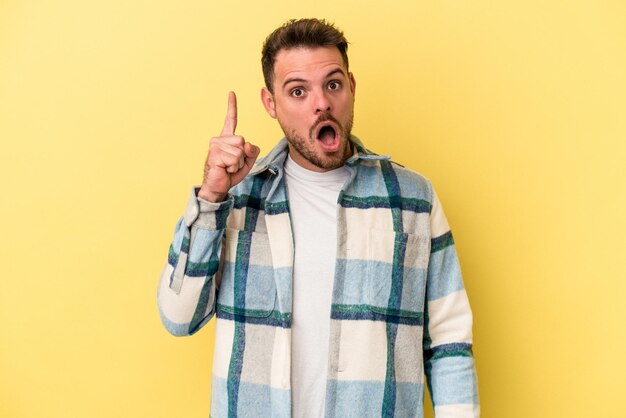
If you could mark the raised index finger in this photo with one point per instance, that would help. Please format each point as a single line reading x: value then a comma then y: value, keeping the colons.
x: 230, y: 124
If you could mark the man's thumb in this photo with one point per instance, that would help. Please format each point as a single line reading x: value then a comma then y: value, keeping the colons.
x: 251, y: 150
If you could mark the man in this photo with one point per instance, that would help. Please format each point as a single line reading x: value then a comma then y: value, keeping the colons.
x: 331, y: 270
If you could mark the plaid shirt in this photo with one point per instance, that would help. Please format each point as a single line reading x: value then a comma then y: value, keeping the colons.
x: 399, y: 309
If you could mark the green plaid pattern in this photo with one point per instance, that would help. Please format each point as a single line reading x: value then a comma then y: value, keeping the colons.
x: 399, y: 309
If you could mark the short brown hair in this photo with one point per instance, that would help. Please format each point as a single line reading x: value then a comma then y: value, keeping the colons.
x: 300, y: 33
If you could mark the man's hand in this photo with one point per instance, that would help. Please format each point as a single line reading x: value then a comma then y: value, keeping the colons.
x: 229, y: 160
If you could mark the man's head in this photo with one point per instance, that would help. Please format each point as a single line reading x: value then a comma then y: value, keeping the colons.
x: 309, y: 33
x: 310, y: 91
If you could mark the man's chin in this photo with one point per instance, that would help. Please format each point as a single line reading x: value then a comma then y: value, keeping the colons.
x: 330, y: 160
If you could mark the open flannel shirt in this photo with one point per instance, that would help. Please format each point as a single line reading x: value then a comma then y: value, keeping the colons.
x: 399, y: 308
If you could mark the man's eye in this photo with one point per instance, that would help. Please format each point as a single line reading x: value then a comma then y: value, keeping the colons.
x: 334, y: 85
x: 297, y: 92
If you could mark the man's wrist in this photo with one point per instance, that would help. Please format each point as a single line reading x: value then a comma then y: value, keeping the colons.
x: 210, y: 196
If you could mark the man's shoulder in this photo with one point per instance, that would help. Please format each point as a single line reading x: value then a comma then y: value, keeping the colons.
x: 409, y: 176
x: 389, y: 177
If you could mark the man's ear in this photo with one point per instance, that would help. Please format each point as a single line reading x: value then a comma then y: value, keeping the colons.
x: 268, y: 102
x: 352, y: 83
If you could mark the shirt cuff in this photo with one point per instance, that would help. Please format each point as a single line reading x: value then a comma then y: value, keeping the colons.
x: 207, y: 215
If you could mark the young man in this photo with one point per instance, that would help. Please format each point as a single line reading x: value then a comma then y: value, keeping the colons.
x: 331, y: 270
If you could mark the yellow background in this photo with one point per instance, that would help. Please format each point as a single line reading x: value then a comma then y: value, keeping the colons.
x: 515, y: 110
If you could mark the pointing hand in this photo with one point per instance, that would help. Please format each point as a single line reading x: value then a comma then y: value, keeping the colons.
x: 229, y: 160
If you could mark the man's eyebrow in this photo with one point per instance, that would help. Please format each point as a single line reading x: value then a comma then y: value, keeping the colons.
x: 294, y: 80
x: 302, y: 80
x: 335, y: 71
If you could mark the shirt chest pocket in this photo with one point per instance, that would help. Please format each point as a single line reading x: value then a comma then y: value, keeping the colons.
x: 396, y: 275
x: 245, y: 278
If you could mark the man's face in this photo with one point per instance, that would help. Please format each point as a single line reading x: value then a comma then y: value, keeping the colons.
x: 313, y: 101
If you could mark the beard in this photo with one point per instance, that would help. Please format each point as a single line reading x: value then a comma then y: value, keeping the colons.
x: 306, y: 146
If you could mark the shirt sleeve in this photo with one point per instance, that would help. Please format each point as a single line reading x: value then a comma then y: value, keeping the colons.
x: 187, y: 289
x: 448, y: 356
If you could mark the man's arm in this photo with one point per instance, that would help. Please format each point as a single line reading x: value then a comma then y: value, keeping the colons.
x: 187, y: 288
x: 448, y: 358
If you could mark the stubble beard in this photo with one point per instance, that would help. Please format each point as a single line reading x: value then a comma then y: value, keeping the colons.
x: 306, y: 146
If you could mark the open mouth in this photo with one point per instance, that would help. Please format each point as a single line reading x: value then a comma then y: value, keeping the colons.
x: 328, y: 137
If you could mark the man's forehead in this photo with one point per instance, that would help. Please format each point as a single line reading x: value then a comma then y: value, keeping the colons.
x: 305, y: 60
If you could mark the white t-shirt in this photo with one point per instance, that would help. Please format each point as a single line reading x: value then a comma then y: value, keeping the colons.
x: 313, y: 210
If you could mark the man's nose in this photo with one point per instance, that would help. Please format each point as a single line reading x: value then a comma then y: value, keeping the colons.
x: 322, y: 103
